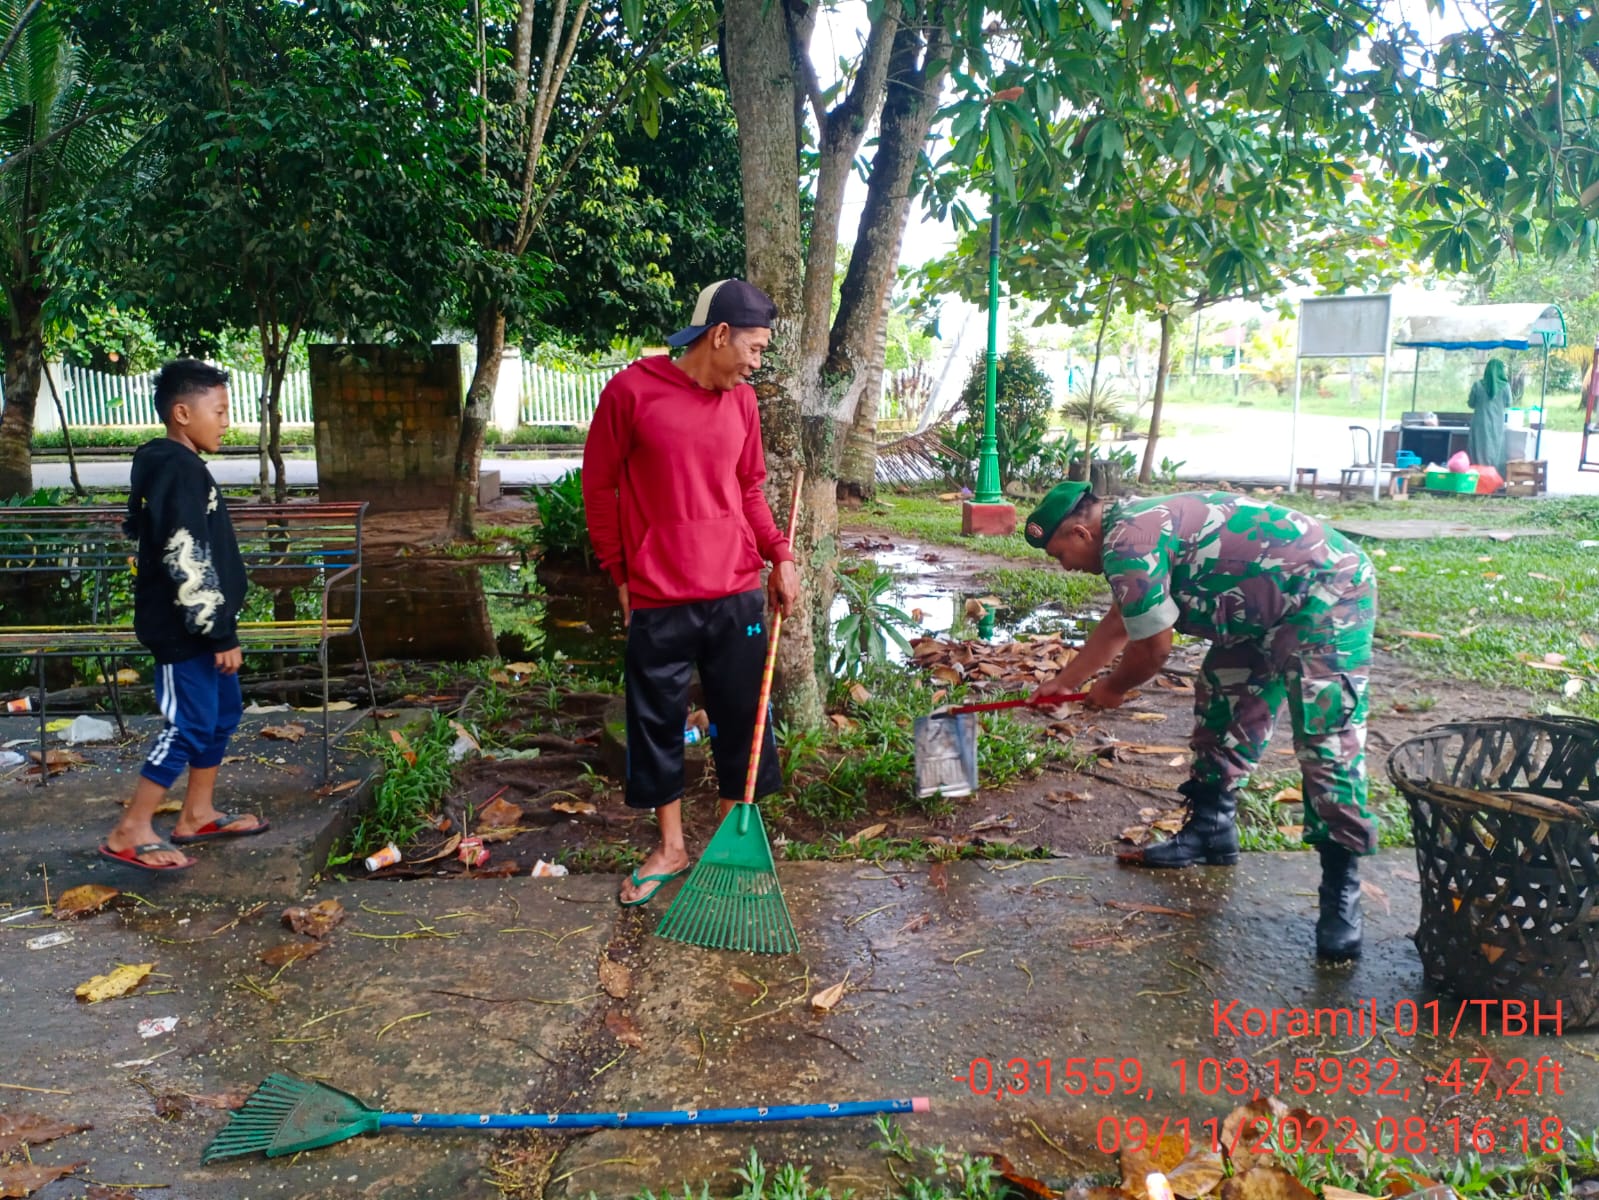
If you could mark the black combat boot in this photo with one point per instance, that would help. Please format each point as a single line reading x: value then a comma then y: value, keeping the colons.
x: 1338, y: 926
x: 1209, y: 836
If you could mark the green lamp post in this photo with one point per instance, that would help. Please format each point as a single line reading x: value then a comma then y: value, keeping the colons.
x: 988, y: 449
x: 987, y: 512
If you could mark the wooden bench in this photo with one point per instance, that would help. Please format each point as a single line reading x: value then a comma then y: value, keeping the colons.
x: 66, y: 588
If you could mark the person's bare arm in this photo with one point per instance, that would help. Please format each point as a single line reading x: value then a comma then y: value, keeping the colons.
x: 1141, y: 661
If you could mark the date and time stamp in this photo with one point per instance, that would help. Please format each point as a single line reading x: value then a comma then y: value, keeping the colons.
x: 1371, y: 1081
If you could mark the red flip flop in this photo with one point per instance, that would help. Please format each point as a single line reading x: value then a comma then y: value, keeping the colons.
x: 222, y: 827
x: 134, y: 857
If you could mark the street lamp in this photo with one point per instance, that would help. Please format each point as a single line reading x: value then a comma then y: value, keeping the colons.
x: 987, y: 513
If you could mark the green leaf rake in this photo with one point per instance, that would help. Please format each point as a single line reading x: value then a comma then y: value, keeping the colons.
x: 287, y: 1115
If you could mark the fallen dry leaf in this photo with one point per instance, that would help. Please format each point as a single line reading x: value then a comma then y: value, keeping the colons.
x: 615, y: 978
x: 282, y: 955
x: 1160, y: 910
x: 840, y: 722
x: 399, y: 739
x: 1291, y: 831
x: 293, y: 731
x: 1328, y: 1192
x: 1289, y: 795
x: 333, y: 706
x: 1140, y: 748
x: 334, y: 789
x: 623, y: 1029
x: 18, y: 1180
x: 1368, y: 888
x: 499, y: 814
x: 975, y: 610
x: 99, y: 1191
x: 1400, y: 1182
x: 1137, y: 1165
x: 82, y: 900
x: 317, y: 921
x: 1245, y: 1128
x: 1017, y: 1185
x: 827, y: 998
x: 1198, y: 1174
x: 118, y: 982
x: 30, y: 1129
x: 1265, y: 1183
x: 992, y: 824
x: 866, y: 835
x: 1148, y: 716
x: 858, y: 693
x: 1420, y: 635
x: 451, y: 845
x: 577, y: 807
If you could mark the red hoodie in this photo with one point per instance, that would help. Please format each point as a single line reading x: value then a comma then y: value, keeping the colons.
x: 672, y: 487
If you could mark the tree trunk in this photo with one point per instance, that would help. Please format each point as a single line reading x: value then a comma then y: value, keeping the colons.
x: 761, y: 81
x: 475, y: 420
x: 272, y: 421
x: 24, y: 351
x: 66, y: 435
x: 1146, y: 472
x: 916, y: 71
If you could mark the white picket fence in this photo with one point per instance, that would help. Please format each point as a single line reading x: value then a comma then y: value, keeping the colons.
x: 91, y: 398
x: 552, y: 397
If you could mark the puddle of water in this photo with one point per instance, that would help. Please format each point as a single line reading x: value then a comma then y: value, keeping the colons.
x: 921, y: 589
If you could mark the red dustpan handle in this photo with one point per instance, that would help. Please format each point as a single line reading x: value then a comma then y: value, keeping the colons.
x: 766, y: 674
x: 1029, y: 702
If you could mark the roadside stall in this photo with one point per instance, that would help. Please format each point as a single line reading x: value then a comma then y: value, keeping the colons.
x: 1432, y: 437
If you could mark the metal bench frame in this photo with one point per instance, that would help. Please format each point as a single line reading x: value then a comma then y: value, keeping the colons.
x: 283, y: 546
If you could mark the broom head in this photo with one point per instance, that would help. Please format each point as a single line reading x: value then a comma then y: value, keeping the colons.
x: 732, y: 899
x: 286, y: 1115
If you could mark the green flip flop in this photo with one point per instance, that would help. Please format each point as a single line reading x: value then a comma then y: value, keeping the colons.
x: 659, y: 881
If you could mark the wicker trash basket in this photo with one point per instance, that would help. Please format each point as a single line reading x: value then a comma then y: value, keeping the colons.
x: 1506, y: 820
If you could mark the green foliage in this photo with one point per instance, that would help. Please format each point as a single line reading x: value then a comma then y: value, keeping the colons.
x: 863, y: 634
x: 1022, y: 590
x: 96, y: 334
x: 563, y: 527
x: 409, y: 789
x: 1166, y: 473
x: 937, y: 522
x: 650, y: 215
x: 38, y: 498
x: 1022, y: 402
x: 1262, y: 822
x: 834, y: 774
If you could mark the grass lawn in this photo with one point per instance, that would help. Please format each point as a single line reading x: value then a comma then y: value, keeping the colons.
x: 1495, y: 608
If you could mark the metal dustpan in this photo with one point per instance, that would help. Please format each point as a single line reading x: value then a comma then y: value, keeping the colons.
x: 946, y: 745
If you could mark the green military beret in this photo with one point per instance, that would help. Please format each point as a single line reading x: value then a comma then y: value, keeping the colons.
x: 1051, y: 511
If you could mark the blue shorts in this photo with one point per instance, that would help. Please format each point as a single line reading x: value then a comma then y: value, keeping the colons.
x: 202, y: 707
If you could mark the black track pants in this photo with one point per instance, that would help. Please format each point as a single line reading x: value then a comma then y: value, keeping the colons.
x: 726, y: 640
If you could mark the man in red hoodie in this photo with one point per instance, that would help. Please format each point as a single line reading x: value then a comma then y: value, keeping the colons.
x: 673, y: 475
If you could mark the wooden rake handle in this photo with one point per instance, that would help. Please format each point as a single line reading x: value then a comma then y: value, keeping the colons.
x: 771, y: 661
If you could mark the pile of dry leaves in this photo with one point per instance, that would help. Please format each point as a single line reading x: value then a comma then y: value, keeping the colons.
x: 1254, y: 1170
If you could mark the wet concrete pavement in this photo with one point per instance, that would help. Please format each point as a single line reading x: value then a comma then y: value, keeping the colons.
x: 487, y: 995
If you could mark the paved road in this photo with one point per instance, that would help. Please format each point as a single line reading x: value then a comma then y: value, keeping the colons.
x: 241, y: 471
x: 1253, y: 448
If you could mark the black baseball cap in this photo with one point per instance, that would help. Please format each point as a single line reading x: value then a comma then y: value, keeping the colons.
x: 731, y: 301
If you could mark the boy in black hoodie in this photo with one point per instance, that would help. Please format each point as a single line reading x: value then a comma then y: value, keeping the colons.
x: 187, y: 594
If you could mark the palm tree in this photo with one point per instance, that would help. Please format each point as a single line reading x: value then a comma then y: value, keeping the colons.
x: 56, y: 138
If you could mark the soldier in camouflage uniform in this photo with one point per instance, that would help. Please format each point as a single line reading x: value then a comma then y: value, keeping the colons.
x: 1288, y: 606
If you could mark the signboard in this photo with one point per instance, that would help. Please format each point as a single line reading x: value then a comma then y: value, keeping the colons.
x: 1344, y: 326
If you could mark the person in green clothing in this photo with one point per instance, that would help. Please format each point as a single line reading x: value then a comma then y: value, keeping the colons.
x: 1289, y: 607
x: 1489, y: 399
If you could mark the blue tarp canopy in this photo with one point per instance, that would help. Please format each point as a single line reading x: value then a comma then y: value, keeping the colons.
x: 1484, y: 327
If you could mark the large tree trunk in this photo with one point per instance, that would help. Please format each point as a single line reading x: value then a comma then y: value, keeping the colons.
x: 761, y: 80
x: 475, y: 420
x: 1146, y: 472
x: 916, y: 71
x: 24, y: 350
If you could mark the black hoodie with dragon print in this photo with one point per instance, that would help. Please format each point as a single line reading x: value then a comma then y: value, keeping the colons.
x: 191, y: 582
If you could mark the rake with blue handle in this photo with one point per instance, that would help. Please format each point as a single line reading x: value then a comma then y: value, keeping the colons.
x: 286, y: 1115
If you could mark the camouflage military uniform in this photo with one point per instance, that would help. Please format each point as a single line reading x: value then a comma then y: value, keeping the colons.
x: 1289, y: 607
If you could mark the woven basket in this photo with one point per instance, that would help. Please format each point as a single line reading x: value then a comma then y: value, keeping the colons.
x: 1506, y: 820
